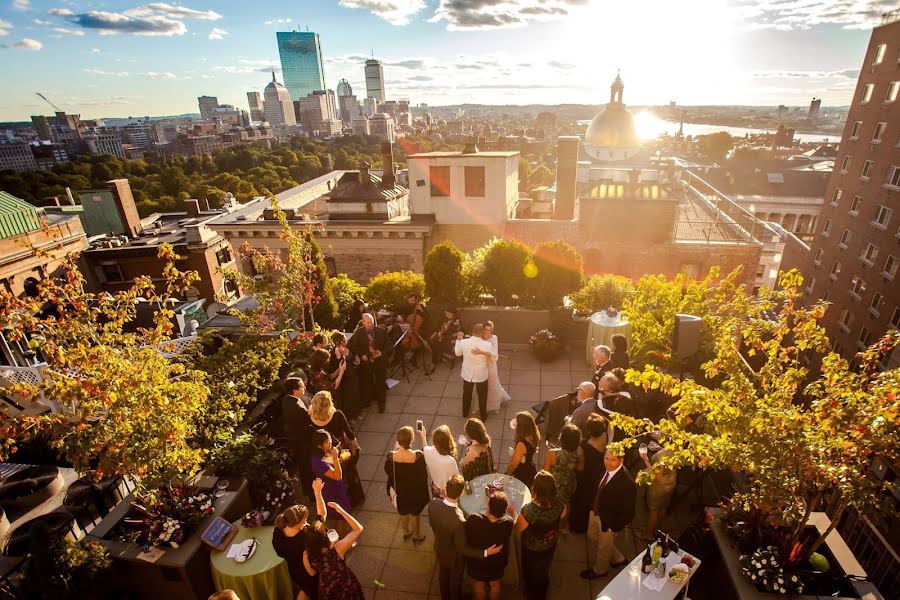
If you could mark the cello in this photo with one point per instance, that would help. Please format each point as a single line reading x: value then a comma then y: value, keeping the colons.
x: 415, y: 320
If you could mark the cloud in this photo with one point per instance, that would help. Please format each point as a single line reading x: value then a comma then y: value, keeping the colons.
x: 217, y: 33
x: 107, y: 23
x: 42, y: 22
x: 24, y: 44
x: 21, y: 4
x: 243, y: 70
x: 492, y: 14
x: 786, y: 15
x: 845, y: 73
x: 172, y: 10
x: 5, y: 27
x: 420, y: 78
x: 106, y: 100
x: 207, y: 77
x: 410, y: 63
x: 159, y: 75
x: 279, y: 21
x: 67, y: 31
x: 395, y: 12
x: 60, y: 12
x: 95, y: 50
x: 94, y: 71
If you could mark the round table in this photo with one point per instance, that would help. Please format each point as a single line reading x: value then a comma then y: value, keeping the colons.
x: 263, y: 576
x: 601, y: 328
x: 519, y: 495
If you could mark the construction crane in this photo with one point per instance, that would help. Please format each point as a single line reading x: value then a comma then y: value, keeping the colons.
x: 47, y: 100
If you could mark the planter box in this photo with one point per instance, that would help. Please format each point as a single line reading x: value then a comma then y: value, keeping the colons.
x: 739, y: 587
x: 514, y: 325
x: 181, y: 573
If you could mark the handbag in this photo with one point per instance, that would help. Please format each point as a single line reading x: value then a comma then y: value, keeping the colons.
x: 392, y: 492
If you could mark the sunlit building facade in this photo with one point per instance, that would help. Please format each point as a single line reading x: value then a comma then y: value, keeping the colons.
x: 301, y: 62
x: 375, y: 80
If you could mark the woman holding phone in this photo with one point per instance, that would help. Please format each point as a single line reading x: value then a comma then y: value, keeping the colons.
x: 408, y: 480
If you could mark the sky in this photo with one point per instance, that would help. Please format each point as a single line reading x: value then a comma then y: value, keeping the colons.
x: 131, y: 58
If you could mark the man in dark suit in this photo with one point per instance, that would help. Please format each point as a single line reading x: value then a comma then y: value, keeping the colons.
x: 369, y: 345
x: 613, y: 512
x: 296, y: 429
x: 449, y: 528
x: 602, y: 366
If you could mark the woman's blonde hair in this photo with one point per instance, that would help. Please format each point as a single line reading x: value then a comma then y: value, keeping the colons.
x: 405, y: 437
x: 321, y: 408
x: 443, y: 441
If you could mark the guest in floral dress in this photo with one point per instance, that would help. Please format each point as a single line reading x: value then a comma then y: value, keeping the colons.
x: 539, y: 525
x: 336, y: 580
x: 478, y: 459
x: 561, y: 463
x: 326, y: 464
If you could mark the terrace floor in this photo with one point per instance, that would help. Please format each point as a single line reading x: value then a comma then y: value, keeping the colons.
x: 410, y: 573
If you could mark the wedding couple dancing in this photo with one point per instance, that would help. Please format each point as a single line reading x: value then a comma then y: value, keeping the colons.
x: 479, y: 369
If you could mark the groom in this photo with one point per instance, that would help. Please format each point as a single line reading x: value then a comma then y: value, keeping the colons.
x: 474, y: 351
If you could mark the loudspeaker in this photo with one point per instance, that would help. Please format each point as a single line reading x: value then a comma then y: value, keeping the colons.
x: 686, y: 337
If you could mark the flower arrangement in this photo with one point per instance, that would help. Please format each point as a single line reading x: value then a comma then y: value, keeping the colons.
x: 765, y: 569
x: 169, y: 518
x: 546, y: 345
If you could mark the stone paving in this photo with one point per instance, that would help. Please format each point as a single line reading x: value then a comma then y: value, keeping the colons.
x: 410, y: 573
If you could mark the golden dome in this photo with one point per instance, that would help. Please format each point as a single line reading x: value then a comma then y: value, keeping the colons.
x: 613, y: 126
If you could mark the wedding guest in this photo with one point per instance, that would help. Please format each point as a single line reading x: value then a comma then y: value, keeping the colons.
x: 539, y: 525
x: 440, y: 457
x: 326, y: 464
x: 369, y: 345
x: 659, y: 494
x: 478, y: 459
x: 601, y: 364
x: 561, y: 463
x: 475, y: 351
x: 613, y: 511
x: 587, y: 404
x: 612, y: 394
x: 443, y: 339
x: 322, y: 379
x: 288, y: 542
x: 336, y: 580
x: 589, y: 471
x: 324, y: 415
x: 295, y: 429
x: 320, y: 341
x: 450, y: 546
x: 354, y: 319
x: 346, y: 395
x: 619, y: 356
x: 225, y: 595
x: 495, y: 393
x: 483, y: 531
x: 408, y: 478
x: 521, y: 464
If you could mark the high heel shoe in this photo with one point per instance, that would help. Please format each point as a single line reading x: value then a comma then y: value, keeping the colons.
x: 418, y: 540
x: 407, y: 537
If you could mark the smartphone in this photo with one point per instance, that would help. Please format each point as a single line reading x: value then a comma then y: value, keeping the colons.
x: 420, y: 426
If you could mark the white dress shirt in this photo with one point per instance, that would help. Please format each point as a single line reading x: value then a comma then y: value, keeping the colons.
x: 474, y: 366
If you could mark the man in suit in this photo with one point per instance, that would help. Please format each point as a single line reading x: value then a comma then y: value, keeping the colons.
x: 296, y: 428
x: 449, y: 528
x: 602, y: 366
x: 613, y: 511
x: 587, y: 404
x: 369, y: 345
x: 474, y: 371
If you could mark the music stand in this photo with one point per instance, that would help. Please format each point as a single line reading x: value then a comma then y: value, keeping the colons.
x: 403, y: 364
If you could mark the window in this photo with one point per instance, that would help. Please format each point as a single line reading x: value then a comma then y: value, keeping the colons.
x: 875, y: 303
x: 835, y: 269
x: 895, y: 319
x: 892, y: 91
x: 879, y: 131
x: 870, y: 254
x: 882, y: 216
x: 854, y: 206
x: 475, y: 182
x: 867, y: 93
x: 818, y: 258
x: 867, y: 168
x: 223, y: 256
x: 760, y: 269
x: 440, y: 181
x: 893, y: 177
x: 826, y: 228
x: 836, y: 196
x: 890, y: 267
x: 810, y: 286
x: 864, y: 339
x: 879, y: 54
x: 846, y: 320
x: 854, y: 131
x: 826, y: 295
x: 110, y: 273
x: 857, y: 287
x: 845, y: 163
x: 846, y: 235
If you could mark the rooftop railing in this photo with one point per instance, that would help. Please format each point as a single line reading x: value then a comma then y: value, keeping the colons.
x: 732, y: 218
x: 890, y: 17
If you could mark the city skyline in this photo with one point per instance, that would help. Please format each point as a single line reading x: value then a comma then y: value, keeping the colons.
x: 118, y: 58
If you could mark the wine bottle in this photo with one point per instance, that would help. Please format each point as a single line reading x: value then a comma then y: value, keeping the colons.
x: 647, y: 561
x: 672, y: 544
x: 665, y: 548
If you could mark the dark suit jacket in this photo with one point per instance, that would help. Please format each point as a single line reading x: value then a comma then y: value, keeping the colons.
x: 296, y: 428
x: 614, y: 504
x: 449, y: 527
x: 359, y: 343
x: 598, y: 374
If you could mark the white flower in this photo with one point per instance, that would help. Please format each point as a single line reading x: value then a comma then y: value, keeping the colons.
x: 782, y: 590
x: 794, y: 578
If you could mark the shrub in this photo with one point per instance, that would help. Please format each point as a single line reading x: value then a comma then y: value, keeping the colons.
x: 261, y: 463
x: 390, y: 290
x: 443, y: 273
x: 325, y: 311
x: 345, y: 291
x: 559, y: 272
x: 601, y: 291
x: 503, y: 273
x: 472, y: 267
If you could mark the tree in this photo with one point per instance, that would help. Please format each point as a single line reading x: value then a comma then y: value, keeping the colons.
x: 524, y: 173
x: 390, y: 290
x: 798, y: 442
x: 503, y: 271
x: 443, y: 273
x: 716, y: 145
x: 600, y: 292
x: 325, y: 311
x: 559, y: 272
x: 124, y: 408
x: 345, y: 292
x: 542, y: 175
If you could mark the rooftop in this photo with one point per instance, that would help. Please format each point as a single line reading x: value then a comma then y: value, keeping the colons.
x: 457, y: 154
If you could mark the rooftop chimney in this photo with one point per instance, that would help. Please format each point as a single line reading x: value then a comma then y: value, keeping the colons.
x: 566, y: 171
x: 364, y: 172
x: 124, y: 199
x: 70, y: 197
x: 470, y: 148
x: 389, y: 177
x: 192, y: 207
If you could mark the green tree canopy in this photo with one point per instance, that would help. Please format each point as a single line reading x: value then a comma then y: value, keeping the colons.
x: 443, y: 273
x: 559, y: 272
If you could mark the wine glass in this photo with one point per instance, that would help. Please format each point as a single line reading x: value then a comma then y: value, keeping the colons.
x: 221, y: 486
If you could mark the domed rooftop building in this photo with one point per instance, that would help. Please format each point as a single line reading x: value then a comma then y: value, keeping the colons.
x: 611, y: 135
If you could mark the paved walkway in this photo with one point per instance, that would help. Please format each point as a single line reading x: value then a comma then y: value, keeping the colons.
x: 410, y: 573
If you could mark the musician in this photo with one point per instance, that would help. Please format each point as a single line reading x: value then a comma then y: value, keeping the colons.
x: 443, y: 339
x: 354, y: 320
x: 414, y: 315
x: 370, y: 346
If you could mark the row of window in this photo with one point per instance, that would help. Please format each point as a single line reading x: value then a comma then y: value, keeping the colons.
x: 865, y: 336
x: 868, y: 91
x: 868, y: 256
x: 880, y: 53
x: 440, y: 182
x: 880, y: 218
x: 892, y: 179
x: 877, y: 133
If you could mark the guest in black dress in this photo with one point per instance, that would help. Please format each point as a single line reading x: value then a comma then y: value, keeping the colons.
x: 288, y: 542
x: 521, y: 465
x: 324, y: 415
x: 482, y: 532
x: 346, y: 394
x: 589, y: 471
x: 619, y: 357
x: 408, y: 478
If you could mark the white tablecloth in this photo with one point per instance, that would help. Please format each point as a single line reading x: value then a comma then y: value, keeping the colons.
x: 627, y: 585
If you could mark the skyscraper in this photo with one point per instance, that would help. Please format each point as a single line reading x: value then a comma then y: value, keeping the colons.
x: 344, y: 88
x: 279, y: 109
x: 301, y: 62
x: 375, y: 80
x: 257, y: 112
x: 207, y: 105
x: 348, y: 107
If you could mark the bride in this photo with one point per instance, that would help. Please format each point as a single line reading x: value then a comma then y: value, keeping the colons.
x: 496, y: 393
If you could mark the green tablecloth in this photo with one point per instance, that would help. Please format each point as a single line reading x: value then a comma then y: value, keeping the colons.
x: 601, y: 328
x: 264, y: 576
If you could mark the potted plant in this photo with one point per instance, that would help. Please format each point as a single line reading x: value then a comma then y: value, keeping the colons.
x: 261, y: 463
x: 546, y: 345
x: 165, y: 518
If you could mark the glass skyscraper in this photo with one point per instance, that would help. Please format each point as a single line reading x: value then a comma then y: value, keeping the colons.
x: 301, y: 62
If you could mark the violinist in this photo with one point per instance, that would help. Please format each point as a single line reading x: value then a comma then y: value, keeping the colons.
x: 414, y: 315
x: 442, y: 340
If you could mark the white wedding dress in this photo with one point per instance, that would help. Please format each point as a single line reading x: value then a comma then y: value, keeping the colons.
x: 496, y: 394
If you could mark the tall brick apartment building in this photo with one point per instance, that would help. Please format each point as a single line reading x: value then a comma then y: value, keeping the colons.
x: 854, y: 261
